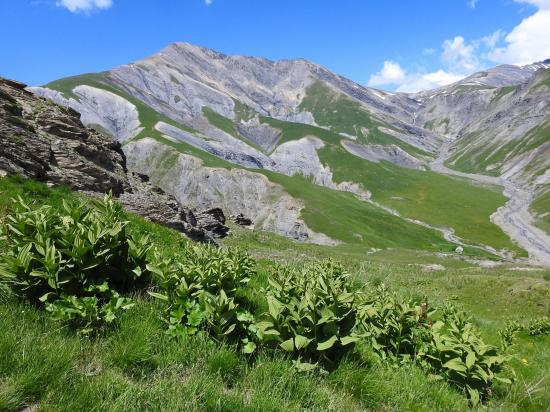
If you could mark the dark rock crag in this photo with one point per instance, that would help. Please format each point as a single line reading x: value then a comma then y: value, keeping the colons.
x: 46, y: 142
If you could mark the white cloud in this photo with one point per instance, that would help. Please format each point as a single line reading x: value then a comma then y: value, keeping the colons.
x: 529, y: 41
x: 85, y: 6
x: 472, y: 3
x: 541, y: 4
x: 417, y: 82
x: 208, y: 2
x: 459, y: 55
x: 391, y: 73
x: 492, y: 39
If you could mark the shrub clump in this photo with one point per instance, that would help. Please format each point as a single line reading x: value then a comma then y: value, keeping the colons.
x: 448, y: 347
x: 75, y: 262
x: 203, y: 289
x: 311, y: 313
x: 537, y: 327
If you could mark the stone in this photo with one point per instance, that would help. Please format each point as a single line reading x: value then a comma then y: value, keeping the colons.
x: 213, y: 220
x: 242, y: 220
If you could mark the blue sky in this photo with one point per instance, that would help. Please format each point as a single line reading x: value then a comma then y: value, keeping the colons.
x: 392, y: 44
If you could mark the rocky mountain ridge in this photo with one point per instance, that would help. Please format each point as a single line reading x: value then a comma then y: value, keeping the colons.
x: 285, y: 116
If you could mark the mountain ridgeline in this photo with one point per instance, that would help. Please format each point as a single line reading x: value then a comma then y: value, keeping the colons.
x: 306, y: 153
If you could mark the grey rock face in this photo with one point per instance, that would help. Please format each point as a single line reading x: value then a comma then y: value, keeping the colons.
x: 182, y: 79
x: 236, y: 191
x: 47, y: 142
x: 114, y: 114
x: 390, y: 153
x: 260, y: 134
x: 290, y: 158
x: 223, y: 146
x: 482, y: 122
x: 300, y: 157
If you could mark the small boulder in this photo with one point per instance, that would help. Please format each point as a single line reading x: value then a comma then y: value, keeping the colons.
x: 242, y: 220
x: 213, y: 220
x: 433, y: 267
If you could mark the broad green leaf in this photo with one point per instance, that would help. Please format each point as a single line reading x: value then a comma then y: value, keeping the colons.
x: 301, y: 341
x: 275, y: 307
x: 346, y: 340
x: 159, y: 296
x: 470, y: 359
x: 474, y: 396
x: 329, y: 343
x: 455, y: 364
x: 249, y: 347
x: 287, y: 345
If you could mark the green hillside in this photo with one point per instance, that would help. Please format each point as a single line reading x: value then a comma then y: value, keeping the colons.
x: 473, y: 160
x: 342, y: 115
x: 134, y: 365
x: 541, y: 209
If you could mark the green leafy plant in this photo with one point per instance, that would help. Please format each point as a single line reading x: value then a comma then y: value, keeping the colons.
x: 394, y: 328
x: 75, y: 261
x: 449, y: 348
x: 456, y: 353
x: 311, y: 313
x: 200, y: 288
x: 508, y: 334
x: 539, y: 326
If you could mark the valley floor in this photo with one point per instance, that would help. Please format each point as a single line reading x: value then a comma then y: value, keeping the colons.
x: 514, y: 218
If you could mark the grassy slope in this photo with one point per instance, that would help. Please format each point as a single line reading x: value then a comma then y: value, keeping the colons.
x: 344, y: 217
x: 470, y: 160
x: 422, y: 193
x: 427, y: 196
x: 137, y: 367
x: 343, y: 115
x: 493, y: 296
x: 541, y: 208
x: 473, y: 159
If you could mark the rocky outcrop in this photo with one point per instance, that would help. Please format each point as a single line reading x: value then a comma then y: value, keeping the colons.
x: 236, y: 191
x: 47, y: 142
x: 259, y: 133
x: 213, y: 220
x: 97, y: 107
x: 389, y: 153
x: 242, y: 220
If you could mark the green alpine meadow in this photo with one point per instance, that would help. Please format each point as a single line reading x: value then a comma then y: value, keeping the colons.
x: 221, y: 205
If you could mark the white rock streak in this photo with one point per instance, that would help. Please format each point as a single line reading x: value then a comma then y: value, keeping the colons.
x: 113, y: 113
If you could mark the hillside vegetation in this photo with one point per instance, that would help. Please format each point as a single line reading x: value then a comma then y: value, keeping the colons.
x: 219, y: 329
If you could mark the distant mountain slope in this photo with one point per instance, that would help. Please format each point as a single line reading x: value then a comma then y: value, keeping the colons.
x: 292, y: 126
x: 494, y: 129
